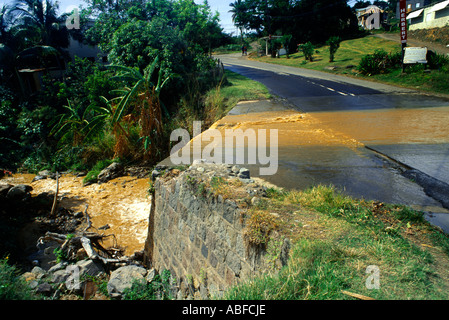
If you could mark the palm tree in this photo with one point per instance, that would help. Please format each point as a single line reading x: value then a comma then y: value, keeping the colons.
x: 238, y: 10
x: 5, y: 23
x: 39, y: 24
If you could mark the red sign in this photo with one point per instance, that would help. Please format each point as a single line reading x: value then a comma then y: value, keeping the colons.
x: 403, y: 20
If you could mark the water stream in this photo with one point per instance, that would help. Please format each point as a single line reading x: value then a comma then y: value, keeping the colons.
x: 123, y: 204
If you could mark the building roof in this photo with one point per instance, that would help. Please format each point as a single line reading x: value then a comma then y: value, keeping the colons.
x: 434, y: 7
x: 369, y: 10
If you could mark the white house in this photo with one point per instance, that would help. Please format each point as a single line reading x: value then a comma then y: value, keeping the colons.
x: 432, y: 16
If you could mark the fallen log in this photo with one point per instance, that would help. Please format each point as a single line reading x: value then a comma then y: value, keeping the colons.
x: 92, y: 254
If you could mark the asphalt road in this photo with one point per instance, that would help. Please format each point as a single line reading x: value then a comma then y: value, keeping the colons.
x: 313, y: 91
x: 406, y: 153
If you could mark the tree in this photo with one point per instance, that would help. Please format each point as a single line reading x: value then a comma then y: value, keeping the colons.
x: 238, y: 15
x: 38, y: 24
x: 305, y: 20
x: 5, y: 23
x: 307, y: 49
x: 334, y: 44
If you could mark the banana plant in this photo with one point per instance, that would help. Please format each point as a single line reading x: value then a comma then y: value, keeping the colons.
x: 142, y: 85
x: 140, y: 99
x: 71, y: 125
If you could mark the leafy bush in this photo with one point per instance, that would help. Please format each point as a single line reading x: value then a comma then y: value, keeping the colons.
x: 379, y: 62
x: 334, y: 44
x: 92, y: 175
x: 159, y: 288
x: 10, y: 147
x: 438, y: 61
x: 307, y: 49
x: 12, y: 286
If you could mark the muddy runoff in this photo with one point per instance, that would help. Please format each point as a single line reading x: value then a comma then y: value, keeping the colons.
x: 331, y: 148
x: 120, y: 206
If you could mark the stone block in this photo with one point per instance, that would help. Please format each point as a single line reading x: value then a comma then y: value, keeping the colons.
x: 204, y: 251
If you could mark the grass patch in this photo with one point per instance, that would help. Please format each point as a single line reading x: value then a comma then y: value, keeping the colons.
x: 92, y: 175
x: 349, y: 53
x: 349, y: 56
x: 335, y: 238
x: 236, y: 88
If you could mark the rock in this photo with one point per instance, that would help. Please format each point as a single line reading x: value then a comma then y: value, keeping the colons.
x: 89, y: 267
x: 38, y: 272
x: 44, y: 289
x: 155, y: 174
x: 81, y: 174
x: 47, y: 174
x: 57, y: 267
x: 235, y: 169
x: 122, y: 279
x: 151, y: 274
x: 255, y: 201
x: 243, y: 173
x: 4, y: 188
x: 19, y: 191
x: 38, y: 178
x: 201, y: 161
x: 61, y: 276
x: 113, y: 171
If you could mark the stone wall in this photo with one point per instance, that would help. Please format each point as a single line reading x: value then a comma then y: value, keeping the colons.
x: 198, y: 233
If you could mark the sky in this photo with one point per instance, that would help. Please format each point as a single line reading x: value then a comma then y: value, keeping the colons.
x: 222, y: 6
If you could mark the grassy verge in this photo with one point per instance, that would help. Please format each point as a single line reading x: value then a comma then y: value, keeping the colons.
x: 336, y: 238
x: 236, y: 88
x: 348, y: 58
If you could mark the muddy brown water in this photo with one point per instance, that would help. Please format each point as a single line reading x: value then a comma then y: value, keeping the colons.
x: 329, y: 148
x: 122, y: 203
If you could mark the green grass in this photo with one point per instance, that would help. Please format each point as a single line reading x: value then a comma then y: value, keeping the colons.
x: 349, y: 53
x: 92, y: 175
x: 335, y: 238
x: 235, y: 88
x: 348, y: 58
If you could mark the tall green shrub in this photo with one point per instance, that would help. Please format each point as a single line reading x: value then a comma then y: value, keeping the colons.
x: 334, y: 44
x: 379, y: 62
x: 307, y: 49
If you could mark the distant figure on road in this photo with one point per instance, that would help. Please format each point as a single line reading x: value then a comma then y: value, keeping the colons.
x: 244, y: 51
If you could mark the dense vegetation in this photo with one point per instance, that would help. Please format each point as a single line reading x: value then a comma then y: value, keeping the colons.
x: 159, y: 66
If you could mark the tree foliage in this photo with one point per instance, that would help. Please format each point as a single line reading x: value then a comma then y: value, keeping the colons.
x: 305, y: 20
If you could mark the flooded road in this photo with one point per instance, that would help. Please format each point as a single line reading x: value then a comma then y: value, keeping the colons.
x: 381, y: 131
x: 391, y: 126
x: 123, y: 204
x: 329, y: 148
